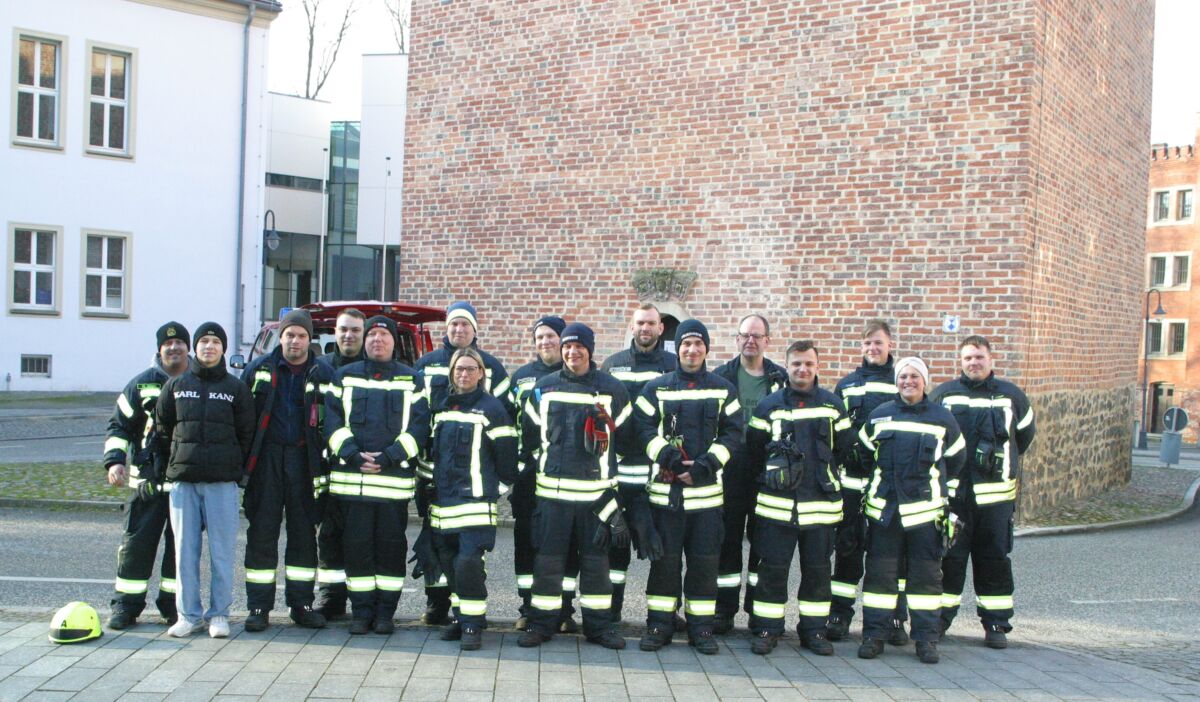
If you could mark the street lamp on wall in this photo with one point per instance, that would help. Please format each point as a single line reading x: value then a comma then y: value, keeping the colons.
x: 270, y: 236
x: 1142, y: 444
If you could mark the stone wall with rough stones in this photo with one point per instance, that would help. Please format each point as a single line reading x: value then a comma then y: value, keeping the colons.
x: 1055, y: 470
x: 817, y: 161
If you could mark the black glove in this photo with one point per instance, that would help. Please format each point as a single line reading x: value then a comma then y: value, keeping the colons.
x: 386, y: 461
x: 426, y: 494
x: 704, y: 468
x: 354, y: 462
x: 652, y: 547
x: 619, y: 529
x: 670, y: 462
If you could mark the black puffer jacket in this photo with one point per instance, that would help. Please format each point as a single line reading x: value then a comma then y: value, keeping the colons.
x: 205, y: 420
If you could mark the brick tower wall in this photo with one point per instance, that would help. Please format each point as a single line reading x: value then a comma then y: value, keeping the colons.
x: 817, y: 162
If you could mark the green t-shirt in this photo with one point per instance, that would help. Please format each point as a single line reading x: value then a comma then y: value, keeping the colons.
x: 751, y: 390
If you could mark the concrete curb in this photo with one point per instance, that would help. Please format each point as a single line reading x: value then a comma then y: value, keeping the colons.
x: 1189, y: 499
x: 101, y: 505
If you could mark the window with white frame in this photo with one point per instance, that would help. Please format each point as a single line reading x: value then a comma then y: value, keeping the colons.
x: 1167, y: 338
x: 34, y: 267
x: 34, y: 366
x: 38, y: 90
x: 109, y: 81
x: 1183, y: 208
x: 1170, y: 271
x: 1162, y: 206
x: 105, y: 273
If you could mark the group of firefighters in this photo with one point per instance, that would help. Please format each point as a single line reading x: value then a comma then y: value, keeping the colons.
x: 651, y: 452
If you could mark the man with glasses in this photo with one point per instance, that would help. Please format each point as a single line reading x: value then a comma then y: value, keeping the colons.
x: 755, y: 376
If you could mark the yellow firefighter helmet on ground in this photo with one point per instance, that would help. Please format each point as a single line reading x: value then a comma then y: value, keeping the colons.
x: 74, y: 623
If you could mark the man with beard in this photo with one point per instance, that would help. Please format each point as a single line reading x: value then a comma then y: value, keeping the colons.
x: 147, y: 511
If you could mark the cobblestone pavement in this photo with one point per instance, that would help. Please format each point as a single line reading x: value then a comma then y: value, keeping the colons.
x: 287, y: 663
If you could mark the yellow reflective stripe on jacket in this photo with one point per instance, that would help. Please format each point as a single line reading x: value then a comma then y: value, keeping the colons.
x: 367, y: 485
x: 907, y: 427
x: 733, y: 408
x: 339, y: 437
x: 471, y: 514
x: 571, y: 490
x: 872, y: 387
x: 636, y: 376
x: 720, y: 453
x: 664, y: 395
x: 760, y: 424
x: 501, y: 432
x: 116, y: 443
x: 645, y: 406
x: 398, y: 383
x: 694, y: 498
x: 124, y: 406
x: 1026, y: 420
x: 977, y: 402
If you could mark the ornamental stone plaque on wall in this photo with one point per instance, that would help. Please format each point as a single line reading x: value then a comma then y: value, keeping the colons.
x: 662, y: 284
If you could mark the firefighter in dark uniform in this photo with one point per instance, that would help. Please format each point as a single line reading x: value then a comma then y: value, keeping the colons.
x: 331, y: 564
x: 546, y: 340
x: 434, y: 368
x: 376, y: 420
x: 997, y: 423
x: 795, y: 441
x: 635, y: 366
x: 474, y: 450
x: 127, y: 458
x: 755, y: 376
x: 867, y: 387
x: 691, y: 423
x: 916, y: 451
x: 285, y: 465
x: 575, y: 422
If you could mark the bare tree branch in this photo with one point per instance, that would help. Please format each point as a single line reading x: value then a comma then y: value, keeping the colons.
x: 329, y: 53
x: 399, y: 11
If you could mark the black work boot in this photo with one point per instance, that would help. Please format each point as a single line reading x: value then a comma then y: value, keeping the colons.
x: 898, y: 636
x: 332, y: 609
x: 121, y: 619
x: 308, y: 618
x: 994, y: 636
x: 763, y: 643
x: 837, y: 628
x: 568, y: 625
x: 704, y: 642
x: 533, y: 638
x: 436, y: 614
x: 472, y: 638
x: 870, y: 648
x: 927, y: 651
x: 817, y: 643
x: 360, y: 625
x: 384, y: 626
x: 451, y: 632
x: 609, y: 639
x: 655, y: 638
x: 258, y: 620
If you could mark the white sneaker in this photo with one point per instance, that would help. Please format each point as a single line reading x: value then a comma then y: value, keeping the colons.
x: 184, y: 628
x: 218, y: 627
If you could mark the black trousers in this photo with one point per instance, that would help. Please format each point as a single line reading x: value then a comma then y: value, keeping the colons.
x: 280, y: 484
x: 560, y: 529
x: 776, y: 543
x: 618, y: 568
x: 461, y: 554
x: 695, y: 535
x: 739, y: 521
x: 850, y: 545
x: 987, y: 539
x: 522, y: 501
x: 331, y: 562
x: 887, y: 545
x: 375, y: 547
x: 146, y: 521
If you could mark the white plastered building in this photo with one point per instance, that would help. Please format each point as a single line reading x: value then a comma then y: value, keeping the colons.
x: 130, y: 175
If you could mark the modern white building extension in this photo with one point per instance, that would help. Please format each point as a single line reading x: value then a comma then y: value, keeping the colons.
x: 133, y: 180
